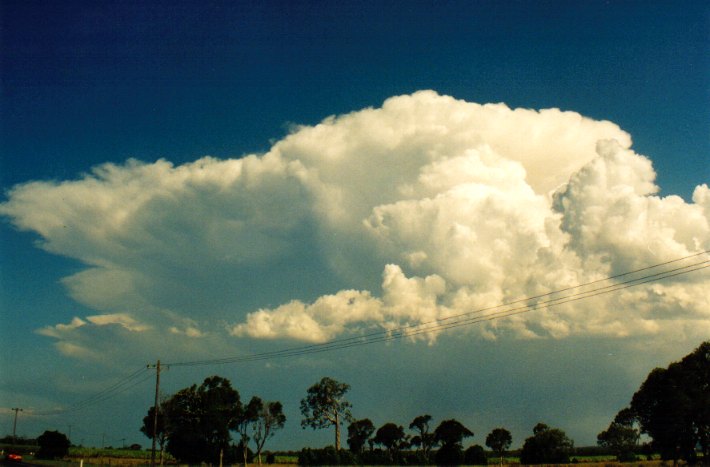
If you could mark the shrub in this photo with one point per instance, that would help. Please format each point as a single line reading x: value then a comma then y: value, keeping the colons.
x: 52, y: 445
x: 475, y: 455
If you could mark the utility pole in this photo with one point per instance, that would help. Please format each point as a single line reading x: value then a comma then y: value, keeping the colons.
x: 14, y: 425
x: 155, y: 411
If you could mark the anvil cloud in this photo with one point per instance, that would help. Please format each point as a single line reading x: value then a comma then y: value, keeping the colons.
x: 422, y: 209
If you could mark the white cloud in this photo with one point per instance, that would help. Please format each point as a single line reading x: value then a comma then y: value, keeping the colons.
x: 422, y: 209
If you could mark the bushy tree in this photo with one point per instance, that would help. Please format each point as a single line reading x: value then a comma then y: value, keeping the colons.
x: 499, y: 440
x: 200, y: 418
x: 242, y: 424
x: 423, y: 439
x: 546, y: 446
x: 325, y: 405
x: 359, y: 433
x: 52, y: 445
x: 450, y: 434
x: 673, y: 406
x: 392, y: 437
x: 161, y: 429
x: 621, y: 438
x: 475, y: 455
x: 269, y: 419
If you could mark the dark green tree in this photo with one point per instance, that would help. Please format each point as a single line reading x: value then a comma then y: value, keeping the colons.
x: 161, y: 433
x: 199, y: 420
x: 325, y: 405
x: 475, y: 455
x: 450, y: 434
x: 359, y: 433
x: 269, y: 419
x: 243, y: 422
x: 424, y: 439
x: 52, y: 445
x: 546, y: 446
x: 673, y: 406
x: 499, y: 440
x: 621, y: 438
x: 392, y: 437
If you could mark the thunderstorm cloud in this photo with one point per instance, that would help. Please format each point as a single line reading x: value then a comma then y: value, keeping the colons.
x: 420, y: 210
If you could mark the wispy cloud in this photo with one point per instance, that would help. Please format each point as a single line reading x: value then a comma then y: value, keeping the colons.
x: 420, y: 210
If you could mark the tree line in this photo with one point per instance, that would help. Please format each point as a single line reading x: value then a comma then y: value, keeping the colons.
x: 195, y: 425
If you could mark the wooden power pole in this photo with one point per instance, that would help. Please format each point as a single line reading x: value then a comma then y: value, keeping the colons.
x: 155, y: 411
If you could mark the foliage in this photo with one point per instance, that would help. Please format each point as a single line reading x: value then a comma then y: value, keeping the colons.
x: 359, y: 433
x: 161, y: 430
x: 621, y: 438
x: 451, y: 432
x: 673, y: 406
x: 242, y: 424
x: 392, y: 437
x: 52, y: 445
x: 499, y: 440
x: 475, y: 455
x: 424, y: 438
x: 199, y: 420
x: 546, y: 446
x: 326, y: 456
x: 269, y: 418
x: 325, y: 405
x: 449, y: 454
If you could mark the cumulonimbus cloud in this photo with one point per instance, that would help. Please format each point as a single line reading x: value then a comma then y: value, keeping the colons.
x: 422, y: 209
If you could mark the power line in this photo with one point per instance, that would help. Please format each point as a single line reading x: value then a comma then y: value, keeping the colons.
x: 508, y: 309
x: 124, y: 384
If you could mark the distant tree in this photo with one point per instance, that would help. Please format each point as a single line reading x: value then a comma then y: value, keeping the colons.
x: 161, y: 433
x: 199, y: 420
x: 359, y: 433
x: 475, y: 455
x: 243, y: 422
x: 392, y: 437
x: 450, y: 434
x: 325, y: 405
x: 52, y: 445
x: 621, y: 438
x: 546, y: 446
x: 499, y: 440
x: 424, y: 438
x: 673, y: 406
x: 269, y: 419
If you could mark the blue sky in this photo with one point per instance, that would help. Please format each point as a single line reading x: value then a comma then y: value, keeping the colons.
x: 84, y: 84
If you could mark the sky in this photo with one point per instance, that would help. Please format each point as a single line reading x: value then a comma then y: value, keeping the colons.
x: 196, y: 181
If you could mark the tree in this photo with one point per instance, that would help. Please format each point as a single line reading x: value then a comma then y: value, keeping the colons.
x: 450, y: 433
x: 621, y: 438
x: 52, y: 445
x: 392, y: 437
x: 199, y: 420
x: 269, y: 418
x: 161, y: 433
x: 475, y: 455
x: 499, y: 440
x: 359, y: 432
x: 242, y: 424
x: 672, y: 406
x: 424, y: 438
x: 325, y: 406
x: 546, y: 446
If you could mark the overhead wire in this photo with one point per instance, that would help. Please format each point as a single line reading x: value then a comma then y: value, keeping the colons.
x: 122, y: 385
x: 475, y: 316
x: 508, y: 309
